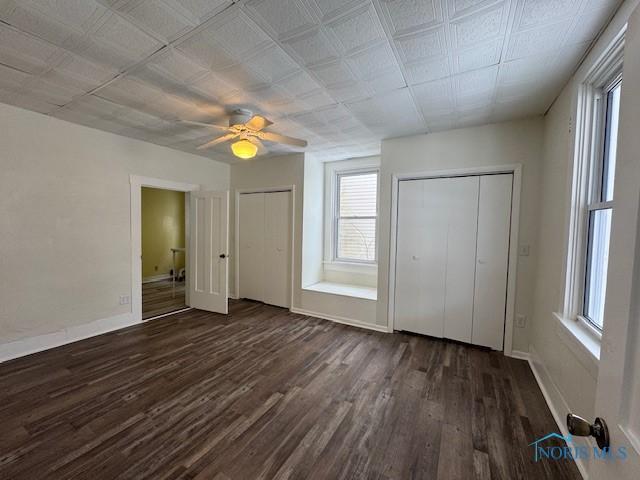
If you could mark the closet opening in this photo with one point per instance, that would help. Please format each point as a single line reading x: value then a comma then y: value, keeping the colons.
x: 264, y: 245
x: 454, y: 255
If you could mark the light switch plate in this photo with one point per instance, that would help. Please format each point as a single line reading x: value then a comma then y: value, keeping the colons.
x: 124, y: 299
x: 521, y: 321
x: 523, y: 250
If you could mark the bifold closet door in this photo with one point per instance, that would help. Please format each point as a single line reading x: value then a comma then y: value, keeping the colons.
x: 494, y: 229
x: 265, y: 247
x: 277, y: 252
x: 252, y: 246
x: 435, y: 256
x: 462, y: 223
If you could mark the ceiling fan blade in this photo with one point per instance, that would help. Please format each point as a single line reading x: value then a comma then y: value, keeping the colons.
x: 262, y: 150
x: 218, y: 140
x: 258, y: 122
x: 202, y: 124
x: 277, y: 138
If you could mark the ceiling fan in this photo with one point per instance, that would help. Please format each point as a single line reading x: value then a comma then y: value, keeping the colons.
x: 248, y: 129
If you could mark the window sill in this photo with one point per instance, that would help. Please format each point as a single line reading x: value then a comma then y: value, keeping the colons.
x: 581, y: 341
x: 346, y: 290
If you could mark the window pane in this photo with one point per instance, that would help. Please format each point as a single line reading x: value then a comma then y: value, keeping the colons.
x: 597, y: 263
x: 611, y: 142
x: 358, y: 195
x: 357, y: 239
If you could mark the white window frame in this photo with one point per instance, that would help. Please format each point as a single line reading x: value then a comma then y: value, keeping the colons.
x: 332, y: 172
x: 588, y: 160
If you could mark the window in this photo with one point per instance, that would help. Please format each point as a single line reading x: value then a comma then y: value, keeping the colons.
x: 592, y: 194
x: 355, y: 216
x: 600, y: 201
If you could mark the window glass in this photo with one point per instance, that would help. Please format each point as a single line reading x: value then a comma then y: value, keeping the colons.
x: 357, y: 216
x: 611, y: 142
x: 597, y: 263
x: 600, y: 210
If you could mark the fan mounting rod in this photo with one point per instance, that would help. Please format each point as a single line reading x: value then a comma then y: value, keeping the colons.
x: 239, y: 117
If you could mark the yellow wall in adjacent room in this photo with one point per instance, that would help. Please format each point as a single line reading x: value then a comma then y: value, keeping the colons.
x: 162, y: 229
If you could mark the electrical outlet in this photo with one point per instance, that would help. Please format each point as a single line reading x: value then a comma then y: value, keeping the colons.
x: 521, y: 321
x: 523, y: 250
x: 124, y: 299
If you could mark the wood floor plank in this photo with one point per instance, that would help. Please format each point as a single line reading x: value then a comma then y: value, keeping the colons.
x: 262, y: 393
x: 159, y: 298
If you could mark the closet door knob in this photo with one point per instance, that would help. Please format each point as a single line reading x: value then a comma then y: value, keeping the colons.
x: 223, y: 255
x: 415, y: 257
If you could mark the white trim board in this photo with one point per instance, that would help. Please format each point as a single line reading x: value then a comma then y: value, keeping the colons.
x: 336, y: 319
x: 157, y: 278
x: 137, y: 182
x: 557, y: 405
x: 29, y: 345
x: 516, y: 170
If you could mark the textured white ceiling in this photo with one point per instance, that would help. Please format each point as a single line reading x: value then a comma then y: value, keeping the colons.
x: 342, y: 74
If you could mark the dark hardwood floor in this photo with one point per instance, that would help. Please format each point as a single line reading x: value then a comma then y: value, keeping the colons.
x: 158, y: 298
x: 264, y: 393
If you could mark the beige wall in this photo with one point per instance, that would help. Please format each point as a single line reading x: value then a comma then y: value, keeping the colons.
x: 284, y: 171
x: 509, y: 143
x: 65, y: 242
x: 162, y: 229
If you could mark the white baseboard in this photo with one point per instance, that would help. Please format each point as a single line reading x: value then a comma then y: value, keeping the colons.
x: 157, y: 278
x: 343, y: 320
x: 558, y: 406
x: 27, y: 346
x: 520, y: 355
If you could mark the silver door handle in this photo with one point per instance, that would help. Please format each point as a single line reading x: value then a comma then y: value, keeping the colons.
x: 579, y: 427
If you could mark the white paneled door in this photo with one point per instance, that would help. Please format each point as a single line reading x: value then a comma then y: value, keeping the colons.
x: 265, y: 247
x: 208, y: 253
x: 452, y: 255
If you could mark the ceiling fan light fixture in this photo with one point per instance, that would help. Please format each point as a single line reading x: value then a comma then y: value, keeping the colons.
x: 244, y: 149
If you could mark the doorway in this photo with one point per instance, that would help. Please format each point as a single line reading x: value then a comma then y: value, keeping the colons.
x: 164, y: 248
x: 206, y: 245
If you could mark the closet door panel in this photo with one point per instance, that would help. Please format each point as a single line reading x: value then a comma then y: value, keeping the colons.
x: 462, y: 214
x: 421, y: 257
x: 277, y: 257
x: 252, y: 246
x: 408, y: 293
x: 494, y: 223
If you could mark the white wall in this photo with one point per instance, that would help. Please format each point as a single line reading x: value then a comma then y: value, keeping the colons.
x: 313, y: 222
x: 289, y: 170
x: 569, y: 376
x: 509, y: 143
x: 65, y: 242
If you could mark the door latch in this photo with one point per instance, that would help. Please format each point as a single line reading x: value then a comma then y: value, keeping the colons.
x: 580, y: 427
